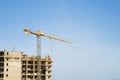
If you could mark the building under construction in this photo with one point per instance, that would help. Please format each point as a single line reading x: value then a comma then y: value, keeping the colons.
x: 18, y: 66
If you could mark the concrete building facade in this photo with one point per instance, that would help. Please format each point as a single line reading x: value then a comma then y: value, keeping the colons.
x: 17, y: 66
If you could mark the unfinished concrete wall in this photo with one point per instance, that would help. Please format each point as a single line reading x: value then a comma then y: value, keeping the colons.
x: 29, y: 68
x: 12, y: 66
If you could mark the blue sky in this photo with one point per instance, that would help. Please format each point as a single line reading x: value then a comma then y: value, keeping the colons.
x: 92, y: 25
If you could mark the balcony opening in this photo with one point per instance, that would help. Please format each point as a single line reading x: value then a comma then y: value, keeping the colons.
x: 1, y: 64
x: 6, y: 64
x: 6, y: 75
x: 1, y: 53
x: 30, y: 62
x: 1, y: 59
x: 1, y: 75
x: 1, y: 70
x: 7, y: 53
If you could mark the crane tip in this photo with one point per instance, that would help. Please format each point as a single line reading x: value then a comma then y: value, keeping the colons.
x: 26, y: 31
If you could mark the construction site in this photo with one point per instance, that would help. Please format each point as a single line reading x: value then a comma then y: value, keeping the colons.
x: 19, y: 66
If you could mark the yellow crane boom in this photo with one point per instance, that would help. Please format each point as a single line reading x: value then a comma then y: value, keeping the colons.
x: 41, y: 33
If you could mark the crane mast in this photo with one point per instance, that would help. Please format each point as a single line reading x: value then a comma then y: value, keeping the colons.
x: 38, y: 35
x: 39, y: 58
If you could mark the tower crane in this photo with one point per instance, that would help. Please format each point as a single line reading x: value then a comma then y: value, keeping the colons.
x: 38, y: 34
